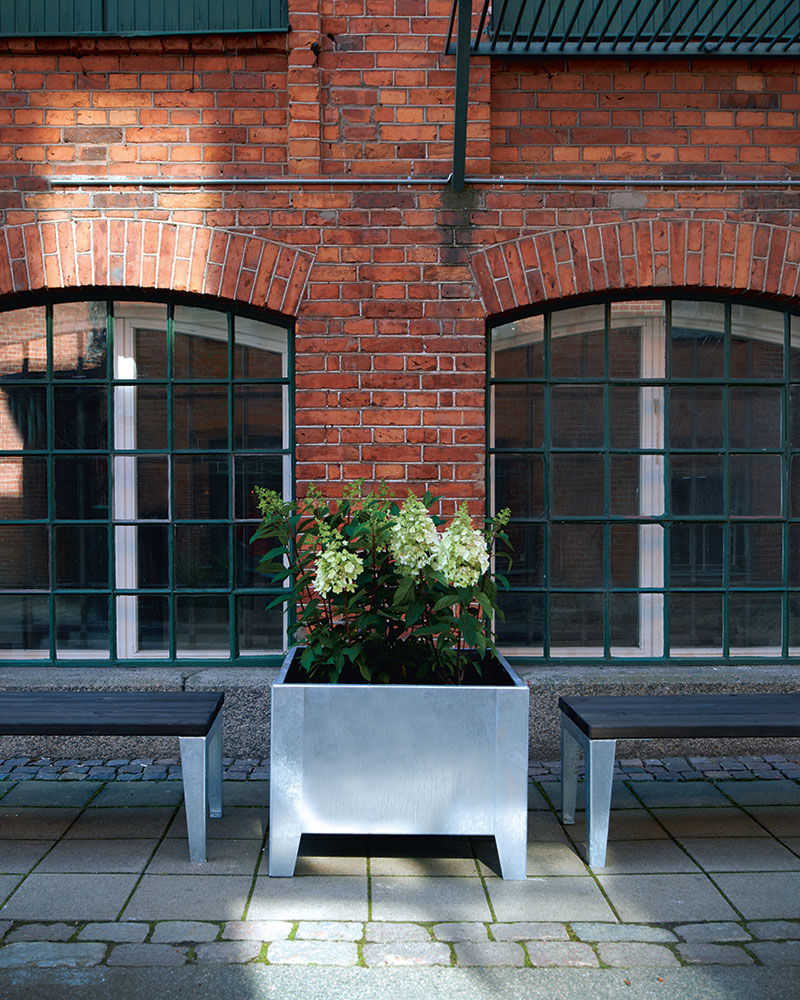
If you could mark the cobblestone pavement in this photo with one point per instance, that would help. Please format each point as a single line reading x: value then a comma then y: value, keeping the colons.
x: 94, y: 871
x: 252, y: 769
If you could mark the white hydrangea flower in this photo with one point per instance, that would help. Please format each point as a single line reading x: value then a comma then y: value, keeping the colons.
x: 462, y: 555
x: 337, y: 569
x: 414, y: 540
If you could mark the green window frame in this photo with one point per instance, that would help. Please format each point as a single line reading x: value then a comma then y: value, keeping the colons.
x: 132, y: 433
x: 649, y: 450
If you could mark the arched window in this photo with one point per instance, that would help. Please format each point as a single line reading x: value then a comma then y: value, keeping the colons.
x: 131, y: 436
x: 650, y: 454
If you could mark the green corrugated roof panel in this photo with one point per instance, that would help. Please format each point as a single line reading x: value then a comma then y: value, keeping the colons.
x: 637, y: 27
x: 140, y: 17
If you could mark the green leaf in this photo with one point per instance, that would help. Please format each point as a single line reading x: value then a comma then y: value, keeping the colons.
x: 365, y: 671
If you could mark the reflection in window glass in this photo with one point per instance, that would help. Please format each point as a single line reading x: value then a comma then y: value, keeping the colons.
x: 644, y: 450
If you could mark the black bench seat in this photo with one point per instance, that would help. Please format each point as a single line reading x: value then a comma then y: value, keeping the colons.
x: 195, y: 717
x: 595, y: 723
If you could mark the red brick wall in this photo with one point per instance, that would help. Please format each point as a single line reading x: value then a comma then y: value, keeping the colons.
x: 390, y: 284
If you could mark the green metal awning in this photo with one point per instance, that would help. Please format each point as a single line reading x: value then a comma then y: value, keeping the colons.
x: 634, y: 27
x: 66, y: 18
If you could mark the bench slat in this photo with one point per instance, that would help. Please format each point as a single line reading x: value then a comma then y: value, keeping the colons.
x: 108, y: 713
x: 610, y: 717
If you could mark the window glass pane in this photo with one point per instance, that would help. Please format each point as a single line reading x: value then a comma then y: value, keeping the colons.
x: 200, y: 485
x: 625, y: 555
x: 756, y: 554
x: 23, y: 416
x: 624, y: 484
x: 519, y: 484
x: 81, y: 624
x: 23, y: 487
x: 577, y: 342
x: 153, y: 623
x: 578, y: 416
x: 152, y: 487
x: 756, y: 343
x: 576, y: 620
x: 756, y: 417
x: 695, y: 622
x: 259, y: 349
x: 258, y: 416
x: 624, y: 620
x: 81, y: 416
x: 524, y: 620
x: 202, y: 625
x: 201, y: 555
x: 152, y: 556
x: 81, y: 556
x: 200, y: 343
x: 252, y: 471
x: 81, y: 487
x: 24, y: 625
x: 23, y: 342
x: 625, y: 430
x: 794, y: 624
x: 696, y: 417
x: 697, y: 343
x: 151, y: 417
x: 249, y: 555
x: 755, y: 620
x: 578, y: 485
x: 696, y: 555
x: 80, y: 340
x: 795, y: 485
x: 140, y: 340
x: 200, y: 416
x: 518, y: 349
x: 794, y: 562
x: 260, y: 631
x: 794, y: 347
x: 518, y: 416
x: 696, y: 484
x: 25, y: 563
x: 527, y: 555
x: 576, y: 555
x: 755, y: 485
x: 794, y: 416
x: 637, y: 344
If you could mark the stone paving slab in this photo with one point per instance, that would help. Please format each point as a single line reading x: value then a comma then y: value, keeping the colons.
x: 171, y: 897
x: 69, y: 897
x: 562, y: 953
x: 700, y: 953
x: 407, y: 953
x: 489, y: 953
x: 761, y: 895
x: 665, y: 898
x: 635, y: 954
x: 47, y: 954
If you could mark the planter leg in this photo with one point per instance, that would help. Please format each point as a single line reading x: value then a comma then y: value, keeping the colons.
x: 283, y: 846
x: 512, y: 850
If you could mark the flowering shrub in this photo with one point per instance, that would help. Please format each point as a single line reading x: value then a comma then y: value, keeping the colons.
x: 377, y: 592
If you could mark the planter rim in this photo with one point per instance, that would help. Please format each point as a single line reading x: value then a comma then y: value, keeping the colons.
x: 287, y: 662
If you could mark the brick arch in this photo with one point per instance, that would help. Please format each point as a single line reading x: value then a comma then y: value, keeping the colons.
x: 168, y: 256
x: 646, y: 254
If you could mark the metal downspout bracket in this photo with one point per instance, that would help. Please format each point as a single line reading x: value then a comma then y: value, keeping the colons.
x: 462, y: 94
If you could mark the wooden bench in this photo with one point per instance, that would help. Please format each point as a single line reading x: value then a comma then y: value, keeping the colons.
x: 193, y: 716
x: 594, y: 724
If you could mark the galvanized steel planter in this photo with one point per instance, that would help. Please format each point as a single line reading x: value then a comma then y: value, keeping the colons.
x: 398, y: 758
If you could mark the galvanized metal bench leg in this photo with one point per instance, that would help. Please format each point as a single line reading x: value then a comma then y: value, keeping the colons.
x: 194, y: 764
x: 214, y: 764
x: 599, y: 783
x: 570, y: 755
